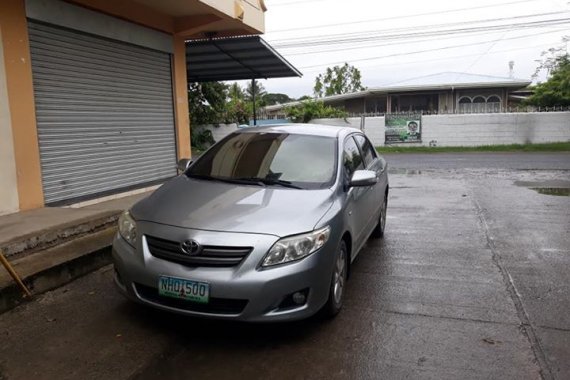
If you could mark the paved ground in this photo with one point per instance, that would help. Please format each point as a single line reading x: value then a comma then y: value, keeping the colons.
x: 470, y: 282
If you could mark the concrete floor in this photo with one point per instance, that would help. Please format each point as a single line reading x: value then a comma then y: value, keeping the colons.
x: 470, y: 282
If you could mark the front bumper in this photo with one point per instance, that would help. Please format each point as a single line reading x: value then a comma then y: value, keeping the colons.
x: 242, y: 292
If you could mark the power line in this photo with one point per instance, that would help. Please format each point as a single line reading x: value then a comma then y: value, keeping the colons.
x: 406, y: 42
x: 446, y: 32
x: 370, y: 34
x: 487, y: 51
x: 401, y: 17
x: 407, y: 53
x: 451, y: 58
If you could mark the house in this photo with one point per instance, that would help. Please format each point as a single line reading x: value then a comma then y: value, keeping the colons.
x: 93, y: 93
x: 438, y: 93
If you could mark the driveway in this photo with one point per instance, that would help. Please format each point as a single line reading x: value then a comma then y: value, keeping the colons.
x: 470, y: 282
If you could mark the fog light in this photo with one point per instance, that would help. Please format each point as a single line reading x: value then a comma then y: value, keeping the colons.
x: 294, y: 300
x: 299, y: 298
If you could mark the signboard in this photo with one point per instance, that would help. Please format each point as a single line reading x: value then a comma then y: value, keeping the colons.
x: 403, y: 128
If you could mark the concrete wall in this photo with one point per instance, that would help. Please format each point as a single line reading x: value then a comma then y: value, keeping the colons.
x: 8, y: 181
x: 496, y: 129
x: 373, y: 126
x: 474, y: 129
x: 219, y: 131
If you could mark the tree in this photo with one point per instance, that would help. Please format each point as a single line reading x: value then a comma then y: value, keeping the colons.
x: 276, y: 98
x: 255, y: 88
x: 305, y: 97
x: 235, y: 92
x: 549, y: 58
x: 338, y: 80
x: 311, y: 109
x: 556, y: 90
x: 207, y: 102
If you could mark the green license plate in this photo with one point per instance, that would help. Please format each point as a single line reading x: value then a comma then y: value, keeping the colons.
x: 184, y: 289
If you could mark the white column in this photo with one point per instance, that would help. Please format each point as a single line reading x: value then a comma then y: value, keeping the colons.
x: 8, y: 183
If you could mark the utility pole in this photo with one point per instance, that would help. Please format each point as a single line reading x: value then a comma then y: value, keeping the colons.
x: 253, y: 99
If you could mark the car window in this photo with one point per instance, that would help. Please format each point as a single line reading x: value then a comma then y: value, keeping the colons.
x: 303, y: 160
x: 352, y: 160
x: 368, y: 152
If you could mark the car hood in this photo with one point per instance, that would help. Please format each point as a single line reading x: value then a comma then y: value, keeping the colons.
x: 218, y: 206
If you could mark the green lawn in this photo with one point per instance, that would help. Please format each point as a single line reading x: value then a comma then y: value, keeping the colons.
x: 550, y: 147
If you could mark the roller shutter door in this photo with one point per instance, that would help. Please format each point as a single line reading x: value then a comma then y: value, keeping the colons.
x: 104, y: 113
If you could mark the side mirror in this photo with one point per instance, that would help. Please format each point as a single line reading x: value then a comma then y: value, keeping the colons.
x: 183, y: 164
x: 362, y: 178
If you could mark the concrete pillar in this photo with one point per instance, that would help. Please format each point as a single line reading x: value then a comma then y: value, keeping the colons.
x: 19, y: 86
x: 388, y: 104
x: 180, y: 87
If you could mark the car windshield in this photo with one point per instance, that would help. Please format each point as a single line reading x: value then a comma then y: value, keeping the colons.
x: 270, y: 159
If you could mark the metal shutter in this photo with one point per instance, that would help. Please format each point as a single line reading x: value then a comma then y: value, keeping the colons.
x: 104, y: 113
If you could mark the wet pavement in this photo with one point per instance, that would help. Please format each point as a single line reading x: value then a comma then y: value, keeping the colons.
x: 472, y: 281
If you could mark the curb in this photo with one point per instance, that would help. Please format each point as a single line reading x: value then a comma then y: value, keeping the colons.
x: 51, y: 268
x: 52, y: 237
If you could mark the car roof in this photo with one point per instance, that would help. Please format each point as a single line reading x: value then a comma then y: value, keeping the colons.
x: 302, y: 129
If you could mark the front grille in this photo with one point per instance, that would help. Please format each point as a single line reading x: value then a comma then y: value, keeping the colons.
x: 214, y: 305
x: 211, y: 256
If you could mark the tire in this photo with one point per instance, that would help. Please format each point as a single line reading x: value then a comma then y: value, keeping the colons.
x: 338, y: 282
x: 378, y: 231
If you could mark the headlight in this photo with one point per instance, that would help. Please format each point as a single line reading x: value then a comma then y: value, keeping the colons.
x: 296, y: 247
x: 128, y: 228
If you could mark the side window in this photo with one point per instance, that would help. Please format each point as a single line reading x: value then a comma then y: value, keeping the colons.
x: 368, y: 152
x: 351, y: 159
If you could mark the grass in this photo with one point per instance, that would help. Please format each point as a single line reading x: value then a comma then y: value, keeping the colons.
x: 550, y: 147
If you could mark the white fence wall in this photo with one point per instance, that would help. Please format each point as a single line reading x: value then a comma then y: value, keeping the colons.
x: 474, y: 129
x: 219, y: 131
x: 496, y: 129
x: 373, y: 126
x: 460, y: 129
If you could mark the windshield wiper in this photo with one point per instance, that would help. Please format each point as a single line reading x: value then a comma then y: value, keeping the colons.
x: 239, y: 181
x: 272, y: 182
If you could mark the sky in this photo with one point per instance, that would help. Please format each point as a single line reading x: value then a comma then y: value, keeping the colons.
x: 390, y: 41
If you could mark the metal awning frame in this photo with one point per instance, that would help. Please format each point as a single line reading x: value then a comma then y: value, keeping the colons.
x: 235, y: 58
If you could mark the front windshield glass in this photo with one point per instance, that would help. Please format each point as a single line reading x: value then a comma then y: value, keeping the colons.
x: 270, y: 159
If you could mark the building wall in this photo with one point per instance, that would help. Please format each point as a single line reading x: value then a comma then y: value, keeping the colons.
x: 474, y: 129
x: 133, y: 22
x: 8, y: 180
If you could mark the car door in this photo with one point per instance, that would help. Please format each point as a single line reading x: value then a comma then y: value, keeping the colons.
x: 356, y: 212
x: 373, y: 196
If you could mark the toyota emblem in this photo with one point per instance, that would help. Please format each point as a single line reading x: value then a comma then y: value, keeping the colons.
x: 191, y: 247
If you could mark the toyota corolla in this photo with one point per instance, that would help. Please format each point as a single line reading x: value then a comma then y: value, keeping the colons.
x: 263, y: 226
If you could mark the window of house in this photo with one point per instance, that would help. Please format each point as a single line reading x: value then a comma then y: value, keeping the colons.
x: 465, y: 104
x: 493, y: 104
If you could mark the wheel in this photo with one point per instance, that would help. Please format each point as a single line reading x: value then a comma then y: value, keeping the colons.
x: 378, y: 231
x: 338, y: 282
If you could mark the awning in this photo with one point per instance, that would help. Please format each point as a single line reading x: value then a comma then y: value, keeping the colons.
x: 235, y: 58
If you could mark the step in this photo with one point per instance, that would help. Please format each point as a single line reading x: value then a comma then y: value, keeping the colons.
x: 52, y: 236
x: 50, y: 268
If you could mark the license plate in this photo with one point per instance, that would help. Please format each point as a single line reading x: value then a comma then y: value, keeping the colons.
x: 184, y: 289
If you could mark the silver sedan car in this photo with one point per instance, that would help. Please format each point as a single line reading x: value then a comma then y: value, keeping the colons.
x: 263, y: 226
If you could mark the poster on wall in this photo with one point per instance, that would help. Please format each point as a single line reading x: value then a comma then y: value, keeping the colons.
x: 403, y: 128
